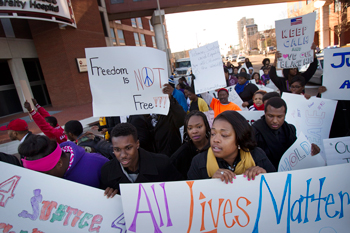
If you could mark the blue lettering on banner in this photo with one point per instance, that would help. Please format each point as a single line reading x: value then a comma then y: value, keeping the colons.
x: 345, y: 84
x: 342, y: 60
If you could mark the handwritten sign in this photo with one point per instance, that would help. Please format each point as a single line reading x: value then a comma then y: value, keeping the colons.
x: 294, y: 39
x: 127, y: 80
x: 337, y: 150
x: 207, y: 67
x: 35, y: 202
x: 336, y: 73
x: 297, y: 201
x: 252, y: 116
x: 298, y: 156
x: 313, y: 117
x: 232, y: 97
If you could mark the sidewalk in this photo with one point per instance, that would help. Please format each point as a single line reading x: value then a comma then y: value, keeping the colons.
x: 82, y: 113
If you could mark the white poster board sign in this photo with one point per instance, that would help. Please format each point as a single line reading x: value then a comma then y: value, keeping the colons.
x: 308, y: 200
x: 59, y: 11
x: 232, y: 97
x: 313, y: 117
x: 123, y: 82
x: 298, y: 156
x: 207, y: 67
x: 294, y: 39
x: 252, y: 116
x: 32, y: 200
x: 337, y: 150
x: 336, y: 73
x: 210, y: 117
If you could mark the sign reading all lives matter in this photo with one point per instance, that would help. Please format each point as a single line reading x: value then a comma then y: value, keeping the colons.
x: 298, y: 156
x: 206, y: 63
x: 308, y: 200
x: 294, y: 39
x: 337, y: 150
x: 127, y: 80
x: 336, y: 73
x: 33, y: 202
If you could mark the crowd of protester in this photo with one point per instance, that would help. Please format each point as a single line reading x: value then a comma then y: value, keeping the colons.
x: 150, y: 148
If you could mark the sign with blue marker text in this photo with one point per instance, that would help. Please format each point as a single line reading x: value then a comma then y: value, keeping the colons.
x: 294, y: 38
x: 127, y: 80
x: 312, y: 116
x: 337, y: 150
x: 308, y: 200
x: 298, y: 156
x: 207, y: 67
x: 336, y: 73
x: 35, y: 202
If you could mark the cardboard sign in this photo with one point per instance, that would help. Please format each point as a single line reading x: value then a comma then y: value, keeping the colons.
x: 337, y: 150
x: 298, y: 156
x: 35, y: 202
x: 59, y: 11
x: 309, y: 200
x: 207, y: 67
x: 294, y: 39
x: 232, y: 97
x: 123, y: 82
x: 313, y: 117
x: 336, y: 73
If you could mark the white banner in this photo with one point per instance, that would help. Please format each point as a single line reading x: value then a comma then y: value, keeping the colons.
x: 232, y: 97
x: 35, y: 202
x: 337, y: 150
x: 294, y: 39
x: 298, y: 156
x: 336, y: 73
x: 59, y: 11
x: 313, y: 117
x: 308, y: 200
x: 250, y: 116
x: 127, y: 80
x: 207, y: 67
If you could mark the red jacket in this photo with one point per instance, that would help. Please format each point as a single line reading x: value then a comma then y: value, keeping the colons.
x: 56, y: 133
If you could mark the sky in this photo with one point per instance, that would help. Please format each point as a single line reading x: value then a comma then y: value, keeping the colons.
x: 187, y: 29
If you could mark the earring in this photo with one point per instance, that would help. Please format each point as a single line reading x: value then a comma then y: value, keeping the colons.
x: 239, y: 147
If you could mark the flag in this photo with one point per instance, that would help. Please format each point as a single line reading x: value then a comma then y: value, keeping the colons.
x: 296, y: 21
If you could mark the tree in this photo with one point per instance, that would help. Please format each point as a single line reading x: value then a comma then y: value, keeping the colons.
x: 341, y: 8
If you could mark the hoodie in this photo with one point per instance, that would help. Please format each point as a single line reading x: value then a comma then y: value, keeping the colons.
x: 84, y: 168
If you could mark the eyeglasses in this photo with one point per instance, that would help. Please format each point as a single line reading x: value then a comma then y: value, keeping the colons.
x: 295, y: 87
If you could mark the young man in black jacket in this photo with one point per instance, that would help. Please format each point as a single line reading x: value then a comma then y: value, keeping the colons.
x: 133, y: 164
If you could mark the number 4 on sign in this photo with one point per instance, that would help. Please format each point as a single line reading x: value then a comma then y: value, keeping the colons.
x: 6, y: 194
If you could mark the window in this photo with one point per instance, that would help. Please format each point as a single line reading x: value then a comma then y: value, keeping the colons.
x: 300, y: 4
x: 121, y: 37
x: 118, y: 21
x: 137, y: 40
x: 295, y: 7
x: 150, y: 25
x: 113, y: 37
x: 337, y: 5
x: 307, y: 2
x: 139, y: 22
x: 117, y: 1
x: 154, y: 42
x: 316, y: 14
x: 133, y: 22
x: 143, y: 40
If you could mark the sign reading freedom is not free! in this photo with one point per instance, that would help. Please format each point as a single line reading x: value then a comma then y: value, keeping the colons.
x: 308, y: 200
x: 294, y: 38
x: 33, y: 202
x: 127, y: 80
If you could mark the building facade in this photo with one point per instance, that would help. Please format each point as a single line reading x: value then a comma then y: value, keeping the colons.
x: 240, y: 28
x: 250, y: 38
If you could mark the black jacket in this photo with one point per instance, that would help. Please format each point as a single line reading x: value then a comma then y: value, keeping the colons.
x: 182, y: 158
x: 198, y: 169
x: 281, y: 82
x: 266, y: 139
x: 167, y: 136
x: 248, y: 92
x: 11, y: 159
x: 152, y: 168
x: 144, y: 132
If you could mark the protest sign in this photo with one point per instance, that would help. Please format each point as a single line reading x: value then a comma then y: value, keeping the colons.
x: 336, y: 73
x: 232, y: 97
x: 298, y: 156
x: 210, y: 117
x: 252, y: 116
x: 207, y: 67
x: 35, y: 202
x: 123, y: 82
x: 313, y: 117
x: 294, y: 39
x: 308, y: 200
x: 337, y: 150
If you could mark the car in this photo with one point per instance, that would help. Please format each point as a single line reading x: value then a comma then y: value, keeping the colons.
x: 234, y: 57
x: 241, y: 59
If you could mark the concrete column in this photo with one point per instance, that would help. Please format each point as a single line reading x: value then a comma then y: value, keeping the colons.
x: 324, y: 26
x: 20, y: 80
x: 156, y: 21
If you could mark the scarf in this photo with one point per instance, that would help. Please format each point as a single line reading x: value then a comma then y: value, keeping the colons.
x: 262, y: 107
x: 246, y: 162
x: 239, y: 88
